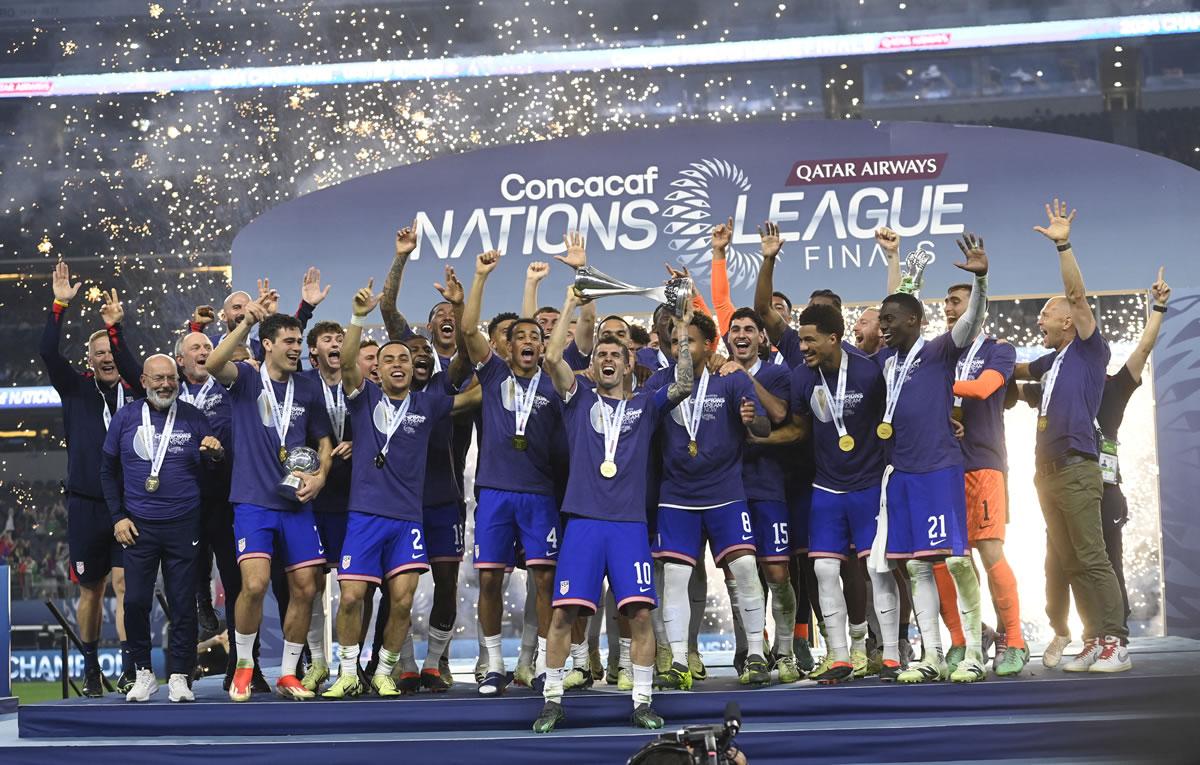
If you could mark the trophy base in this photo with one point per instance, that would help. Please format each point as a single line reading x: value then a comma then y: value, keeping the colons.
x: 288, y: 487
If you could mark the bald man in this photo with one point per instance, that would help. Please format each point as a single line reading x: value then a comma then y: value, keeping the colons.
x: 866, y: 331
x: 153, y: 460
x: 233, y: 309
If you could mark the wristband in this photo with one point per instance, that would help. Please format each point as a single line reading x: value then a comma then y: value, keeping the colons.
x: 1064, y: 246
x: 358, y: 321
x: 61, y: 303
x: 1159, y: 308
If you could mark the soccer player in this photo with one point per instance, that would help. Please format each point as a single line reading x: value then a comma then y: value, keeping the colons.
x: 702, y: 493
x: 89, y: 401
x: 838, y: 398
x: 1069, y: 479
x: 609, y: 432
x: 275, y: 410
x: 925, y: 500
x: 866, y: 331
x: 385, y: 540
x: 522, y: 419
x: 368, y: 360
x: 235, y: 307
x: 151, y: 473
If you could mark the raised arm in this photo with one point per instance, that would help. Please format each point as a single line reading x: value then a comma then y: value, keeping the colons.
x: 219, y: 364
x: 62, y: 375
x: 1058, y: 230
x: 1160, y: 293
x: 585, y: 329
x: 889, y: 242
x: 684, y: 374
x: 395, y: 323
x: 719, y: 276
x: 477, y: 345
x: 361, y: 306
x: 452, y: 292
x: 113, y: 313
x: 771, y: 243
x: 967, y: 327
x: 311, y: 295
x: 534, y: 273
x: 560, y: 371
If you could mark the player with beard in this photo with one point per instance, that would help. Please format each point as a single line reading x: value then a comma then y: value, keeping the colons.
x: 234, y: 308
x: 522, y: 417
x: 923, y: 486
x: 275, y: 410
x: 89, y: 401
x: 609, y: 433
x: 702, y: 494
x: 151, y: 476
x: 866, y: 331
x: 763, y: 474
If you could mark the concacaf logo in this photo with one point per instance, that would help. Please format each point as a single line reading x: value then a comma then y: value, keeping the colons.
x: 704, y: 186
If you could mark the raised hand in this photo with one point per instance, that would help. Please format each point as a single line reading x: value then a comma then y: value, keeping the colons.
x: 1160, y: 290
x: 256, y: 311
x: 452, y: 291
x: 203, y: 315
x: 537, y: 271
x: 722, y: 234
x: 268, y: 297
x: 771, y: 243
x: 61, y: 281
x: 365, y: 299
x: 310, y: 288
x: 406, y: 240
x: 487, y: 262
x: 112, y: 312
x: 1058, y: 228
x: 888, y: 240
x: 676, y: 273
x: 576, y: 256
x: 972, y: 248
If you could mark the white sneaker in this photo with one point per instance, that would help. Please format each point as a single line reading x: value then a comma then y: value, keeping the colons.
x: 1053, y: 653
x: 1084, y: 660
x: 178, y: 690
x: 144, y: 686
x: 1113, y: 657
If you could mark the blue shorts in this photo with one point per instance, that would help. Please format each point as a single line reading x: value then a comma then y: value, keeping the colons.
x: 927, y: 514
x: 593, y: 549
x: 332, y: 528
x: 771, y: 532
x: 444, y: 529
x: 503, y: 516
x: 841, y: 520
x: 93, y: 549
x: 260, y: 530
x: 680, y: 532
x: 799, y: 509
x: 378, y: 548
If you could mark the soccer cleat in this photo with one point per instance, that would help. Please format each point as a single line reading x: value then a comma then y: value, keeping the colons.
x: 206, y: 619
x: 315, y: 676
x: 956, y: 654
x: 409, y: 683
x: 289, y: 687
x: 93, y: 684
x: 551, y: 714
x: 494, y: 684
x: 523, y: 676
x: 803, y: 654
x: 755, y: 671
x: 612, y: 675
x: 1053, y: 654
x: 861, y: 664
x: 624, y: 679
x: 1011, y: 662
x: 739, y: 662
x: 925, y: 672
x: 144, y: 686
x: 645, y: 717
x: 696, y: 666
x: 662, y: 657
x: 822, y: 666
x: 432, y: 680
x: 677, y: 678
x: 889, y: 671
x: 789, y: 672
x: 347, y: 686
x: 178, y: 688
x: 833, y: 673
x: 968, y: 671
x: 444, y: 670
x: 874, y: 662
x: 577, y: 678
x: 125, y: 682
x: 1113, y: 656
x: 385, y: 687
x: 240, y: 688
x: 258, y: 683
x: 1083, y: 660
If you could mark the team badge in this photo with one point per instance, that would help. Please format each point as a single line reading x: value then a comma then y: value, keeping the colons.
x: 78, y: 567
x: 242, y: 545
x: 564, y: 586
x: 345, y: 561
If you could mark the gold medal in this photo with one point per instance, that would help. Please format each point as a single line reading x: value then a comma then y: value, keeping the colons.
x: 884, y: 430
x: 1043, y: 423
x: 380, y: 460
x: 956, y: 414
x: 693, y: 448
x: 608, y: 468
x: 520, y: 443
x: 152, y: 484
x: 282, y: 454
x: 846, y: 443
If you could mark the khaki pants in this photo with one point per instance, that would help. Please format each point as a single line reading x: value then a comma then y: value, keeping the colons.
x: 1070, y: 502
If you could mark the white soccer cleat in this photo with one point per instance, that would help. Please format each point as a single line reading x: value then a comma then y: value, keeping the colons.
x: 144, y: 686
x: 178, y: 689
x: 1054, y: 652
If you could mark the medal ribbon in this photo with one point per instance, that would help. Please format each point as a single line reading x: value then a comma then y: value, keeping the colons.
x: 335, y: 405
x: 963, y: 370
x: 524, y: 400
x: 894, y: 384
x: 1050, y: 378
x: 201, y: 395
x: 693, y: 407
x: 158, y: 449
x: 395, y: 416
x: 612, y: 426
x: 837, y: 404
x: 107, y: 414
x: 282, y: 416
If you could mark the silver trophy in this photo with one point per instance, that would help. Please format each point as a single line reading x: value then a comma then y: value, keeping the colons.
x: 675, y: 294
x: 913, y: 272
x: 301, y: 458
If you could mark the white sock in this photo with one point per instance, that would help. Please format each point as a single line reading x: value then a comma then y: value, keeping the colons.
x: 858, y: 637
x: 579, y: 657
x: 529, y: 627
x: 739, y: 629
x: 751, y: 603
x: 407, y: 659
x: 783, y: 611
x: 539, y: 664
x: 553, y: 689
x: 677, y: 609
x: 643, y: 684
x: 926, y: 607
x: 887, y: 609
x: 349, y: 658
x: 626, y: 643
x: 316, y: 631
x: 291, y: 657
x: 244, y: 645
x: 697, y: 599
x: 438, y: 640
x: 657, y: 615
x: 833, y: 606
x: 482, y: 660
x: 387, y: 662
x: 495, y: 659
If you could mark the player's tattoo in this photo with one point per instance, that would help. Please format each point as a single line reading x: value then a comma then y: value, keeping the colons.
x: 397, y: 326
x: 684, y: 374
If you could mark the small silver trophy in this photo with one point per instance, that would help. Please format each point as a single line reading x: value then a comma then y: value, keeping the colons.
x: 675, y: 294
x: 913, y: 272
x: 302, y: 458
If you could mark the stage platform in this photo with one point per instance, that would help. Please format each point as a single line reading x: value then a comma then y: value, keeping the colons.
x: 1148, y: 714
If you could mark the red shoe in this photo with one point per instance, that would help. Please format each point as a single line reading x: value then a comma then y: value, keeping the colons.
x: 290, y: 687
x: 433, y: 680
x: 409, y: 683
x: 239, y: 687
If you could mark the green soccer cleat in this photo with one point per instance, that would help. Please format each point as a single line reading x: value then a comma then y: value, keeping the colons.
x: 523, y: 676
x: 577, y: 678
x: 347, y: 686
x: 822, y: 666
x: 676, y: 678
x: 552, y: 713
x: 861, y: 664
x: 955, y: 655
x: 755, y: 672
x: 316, y: 675
x: 803, y: 653
x: 662, y: 658
x: 789, y: 672
x: 968, y: 671
x: 924, y: 672
x: 125, y: 681
x: 385, y: 687
x: 624, y: 680
x: 645, y: 717
x: 1012, y: 661
x: 875, y: 662
x: 696, y: 666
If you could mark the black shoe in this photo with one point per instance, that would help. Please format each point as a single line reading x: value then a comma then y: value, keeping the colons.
x: 677, y: 678
x: 206, y: 619
x: 838, y: 672
x: 645, y: 717
x: 432, y: 680
x: 93, y: 684
x: 552, y: 713
x: 739, y: 662
x: 125, y: 681
x: 755, y: 671
x: 890, y: 671
x: 258, y: 683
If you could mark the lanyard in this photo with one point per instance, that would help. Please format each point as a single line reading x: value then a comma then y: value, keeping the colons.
x: 1050, y: 378
x: 395, y: 416
x: 201, y: 395
x: 157, y: 449
x: 612, y: 428
x: 107, y: 414
x: 524, y: 400
x: 963, y: 370
x: 335, y: 405
x: 693, y: 407
x: 663, y: 362
x: 437, y: 363
x: 779, y: 358
x: 282, y: 416
x: 896, y: 384
x: 837, y: 404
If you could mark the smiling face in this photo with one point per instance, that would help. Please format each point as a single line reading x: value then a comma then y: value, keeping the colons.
x: 954, y: 305
x: 283, y: 352
x: 819, y: 349
x: 546, y: 320
x: 100, y: 359
x: 525, y: 348
x: 421, y: 353
x: 744, y: 340
x: 898, y: 326
x: 696, y: 344
x: 781, y: 307
x: 234, y: 309
x: 161, y: 381
x: 395, y: 369
x: 368, y: 362
x: 441, y: 326
x: 1055, y: 323
x: 328, y: 351
x: 616, y: 329
x: 866, y: 330
x: 193, y: 355
x: 610, y: 364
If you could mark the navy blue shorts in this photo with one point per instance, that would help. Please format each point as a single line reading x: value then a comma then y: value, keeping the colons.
x: 841, y: 520
x: 289, y: 534
x: 444, y: 530
x: 332, y: 528
x: 502, y: 518
x: 771, y: 529
x: 681, y: 532
x: 927, y: 514
x: 799, y: 509
x: 378, y: 548
x: 93, y: 548
x: 593, y: 549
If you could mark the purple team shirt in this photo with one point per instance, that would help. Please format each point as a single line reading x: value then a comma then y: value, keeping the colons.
x: 336, y: 491
x: 216, y: 408
x: 501, y: 465
x: 441, y: 486
x: 257, y: 470
x: 1075, y: 401
x: 983, y: 421
x: 924, y: 440
x: 764, y: 467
